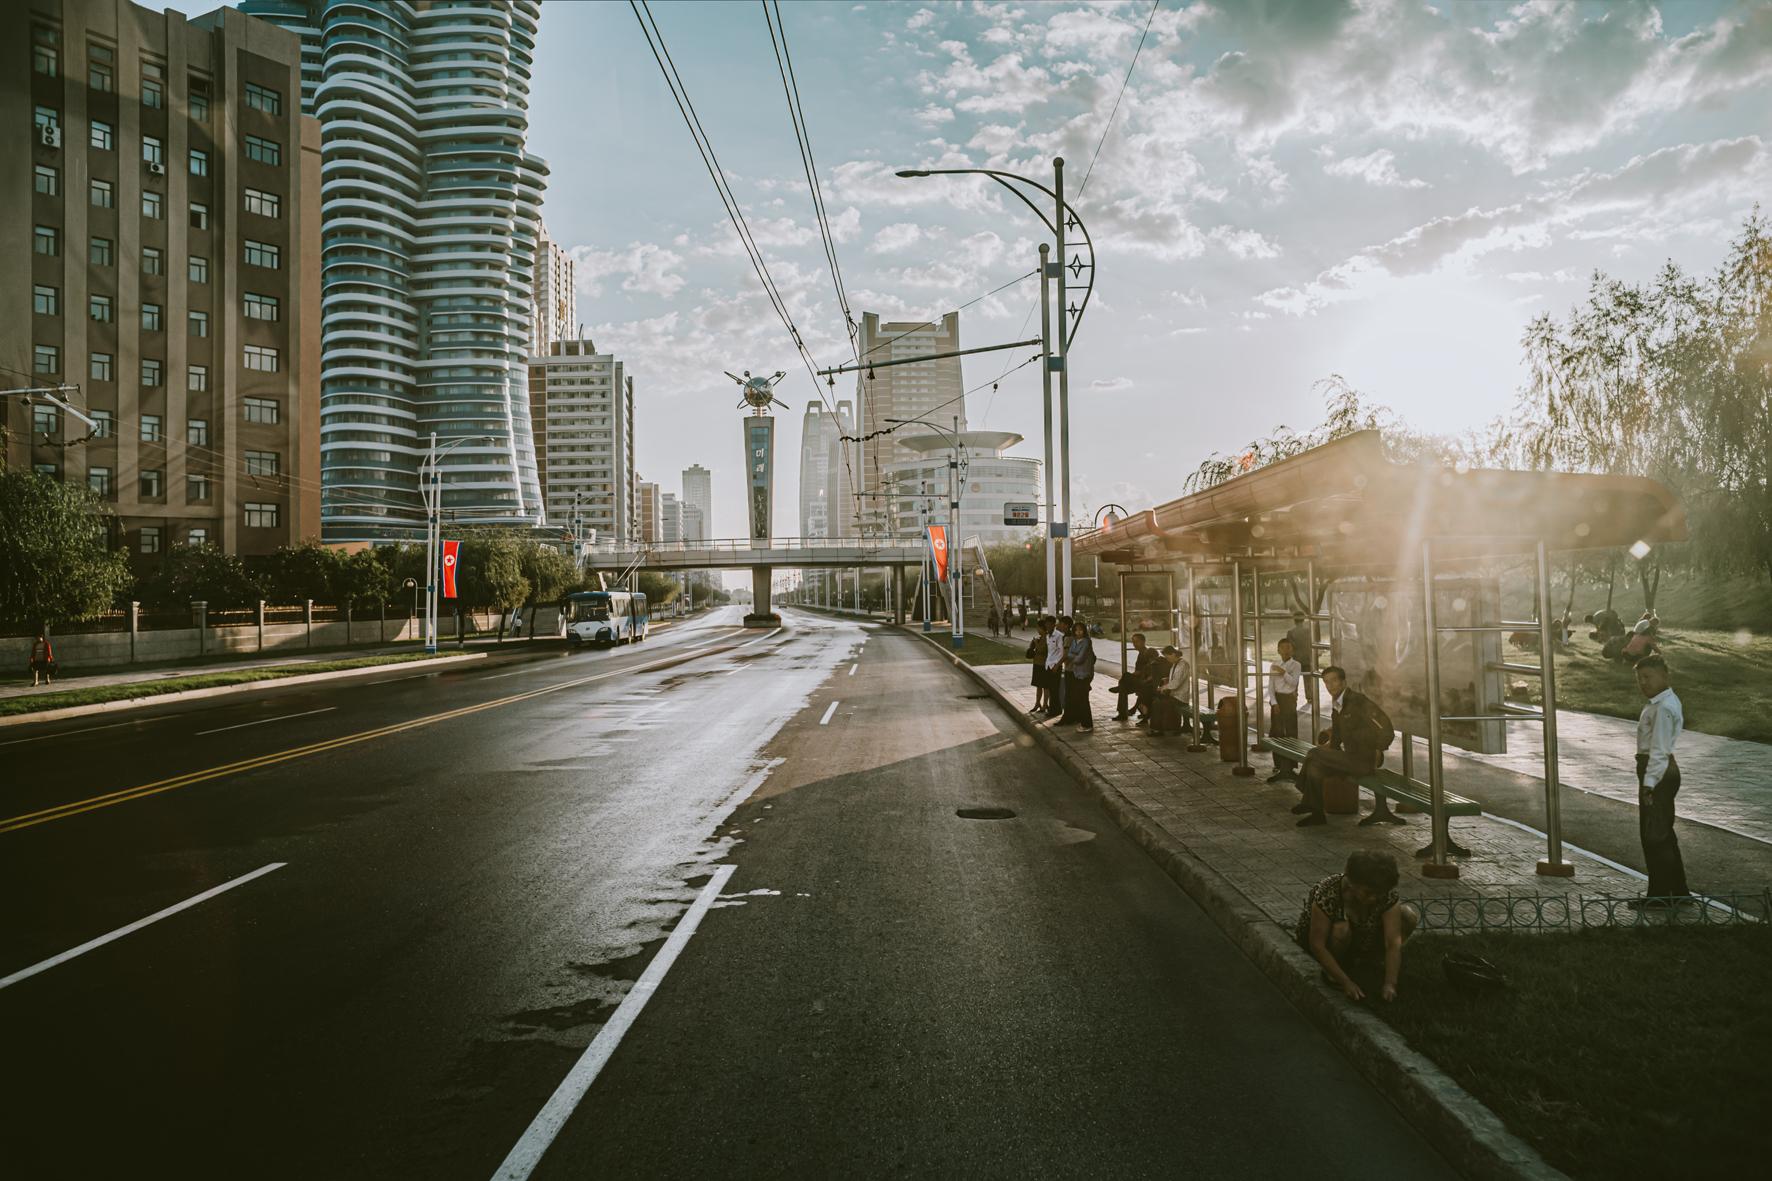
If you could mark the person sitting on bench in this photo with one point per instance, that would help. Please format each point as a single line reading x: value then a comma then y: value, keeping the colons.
x: 1140, y: 681
x: 1359, y: 734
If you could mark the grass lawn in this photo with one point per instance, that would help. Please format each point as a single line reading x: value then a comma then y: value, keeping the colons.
x: 978, y: 651
x: 1724, y: 680
x: 1617, y: 1054
x: 37, y: 702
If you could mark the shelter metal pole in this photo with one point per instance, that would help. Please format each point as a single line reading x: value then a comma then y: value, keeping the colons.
x: 1193, y: 663
x: 1553, y: 866
x: 1241, y: 681
x: 1438, y: 866
x: 1260, y: 671
x: 1122, y: 625
x: 1314, y: 682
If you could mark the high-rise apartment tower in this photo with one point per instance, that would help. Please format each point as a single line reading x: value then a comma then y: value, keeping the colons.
x: 582, y: 402
x: 931, y: 390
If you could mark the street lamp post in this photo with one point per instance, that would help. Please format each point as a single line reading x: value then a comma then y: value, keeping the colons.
x: 956, y: 478
x: 433, y: 500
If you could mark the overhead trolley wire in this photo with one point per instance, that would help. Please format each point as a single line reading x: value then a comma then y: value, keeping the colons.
x: 1089, y: 171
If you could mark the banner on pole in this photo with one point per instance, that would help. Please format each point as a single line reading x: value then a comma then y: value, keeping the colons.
x: 451, y: 552
x: 938, y: 548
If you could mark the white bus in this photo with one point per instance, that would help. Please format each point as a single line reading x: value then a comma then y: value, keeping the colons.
x: 606, y: 617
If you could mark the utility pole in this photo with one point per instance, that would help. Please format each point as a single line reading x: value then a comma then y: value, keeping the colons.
x: 1046, y: 364
x: 1061, y: 215
x: 955, y: 476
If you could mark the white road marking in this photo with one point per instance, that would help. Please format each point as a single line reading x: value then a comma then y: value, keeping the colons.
x: 88, y: 729
x: 535, y: 1141
x: 826, y: 720
x: 852, y: 669
x: 263, y: 721
x: 64, y: 957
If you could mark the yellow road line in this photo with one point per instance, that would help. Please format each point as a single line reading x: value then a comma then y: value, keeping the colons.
x: 124, y: 795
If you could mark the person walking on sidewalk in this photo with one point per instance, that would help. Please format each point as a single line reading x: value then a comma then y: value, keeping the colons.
x: 42, y: 660
x: 1282, y: 706
x: 1658, y: 782
x: 1359, y: 734
x: 1056, y: 640
x: 994, y: 621
x: 1079, y: 663
x: 1037, y: 652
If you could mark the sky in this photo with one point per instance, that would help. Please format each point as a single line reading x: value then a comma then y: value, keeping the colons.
x: 1382, y: 189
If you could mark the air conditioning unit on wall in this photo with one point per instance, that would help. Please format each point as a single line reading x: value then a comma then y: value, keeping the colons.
x: 51, y: 136
x: 156, y: 168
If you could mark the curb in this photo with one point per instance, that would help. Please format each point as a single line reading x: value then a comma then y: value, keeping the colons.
x: 100, y: 707
x: 1471, y: 1137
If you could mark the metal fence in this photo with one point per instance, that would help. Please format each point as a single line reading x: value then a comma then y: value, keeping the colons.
x: 1575, y: 912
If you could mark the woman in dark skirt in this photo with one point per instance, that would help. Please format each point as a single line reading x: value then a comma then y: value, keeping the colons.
x: 1036, y: 652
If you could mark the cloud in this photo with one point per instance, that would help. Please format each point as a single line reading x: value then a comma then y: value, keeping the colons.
x: 896, y: 236
x: 1377, y: 168
x: 645, y: 268
x: 1110, y: 385
x: 934, y: 115
x: 1244, y: 243
x: 922, y: 18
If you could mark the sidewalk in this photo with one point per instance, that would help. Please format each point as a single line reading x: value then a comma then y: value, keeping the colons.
x: 1243, y: 829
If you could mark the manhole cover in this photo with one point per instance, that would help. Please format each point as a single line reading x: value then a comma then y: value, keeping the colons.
x: 975, y: 696
x: 984, y: 814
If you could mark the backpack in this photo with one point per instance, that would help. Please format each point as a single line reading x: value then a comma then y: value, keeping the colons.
x: 1383, y: 733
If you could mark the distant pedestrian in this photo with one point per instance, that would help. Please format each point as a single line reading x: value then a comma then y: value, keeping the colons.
x: 1037, y: 652
x: 1283, y: 676
x: 995, y: 622
x: 1079, y: 662
x: 1658, y: 782
x: 1351, y: 917
x: 42, y: 660
x: 1024, y: 613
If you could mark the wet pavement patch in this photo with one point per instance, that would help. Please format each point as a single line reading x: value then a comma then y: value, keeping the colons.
x: 984, y: 813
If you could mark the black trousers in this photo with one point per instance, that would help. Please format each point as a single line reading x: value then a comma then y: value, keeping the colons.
x: 1128, y: 686
x: 1283, y: 723
x: 1076, y: 701
x: 1324, y: 762
x: 1655, y: 823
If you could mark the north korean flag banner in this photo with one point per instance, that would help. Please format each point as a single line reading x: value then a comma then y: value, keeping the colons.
x: 938, y: 546
x: 451, y: 552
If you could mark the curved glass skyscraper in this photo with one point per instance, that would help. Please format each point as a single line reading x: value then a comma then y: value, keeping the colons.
x: 429, y: 211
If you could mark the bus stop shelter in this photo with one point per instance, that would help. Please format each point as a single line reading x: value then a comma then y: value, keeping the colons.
x: 1418, y: 547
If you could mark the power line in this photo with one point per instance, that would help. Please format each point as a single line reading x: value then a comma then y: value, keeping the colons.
x: 931, y: 323
x: 1089, y: 171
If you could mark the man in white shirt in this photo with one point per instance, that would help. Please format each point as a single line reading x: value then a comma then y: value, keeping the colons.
x: 1056, y: 640
x: 1658, y: 781
x: 1282, y: 706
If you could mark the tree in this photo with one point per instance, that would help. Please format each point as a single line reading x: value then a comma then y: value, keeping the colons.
x: 192, y: 572
x: 660, y: 589
x: 549, y: 572
x: 360, y: 580
x: 55, y: 567
x: 300, y: 572
x: 490, y: 574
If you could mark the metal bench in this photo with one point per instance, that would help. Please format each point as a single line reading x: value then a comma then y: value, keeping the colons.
x: 1391, y: 785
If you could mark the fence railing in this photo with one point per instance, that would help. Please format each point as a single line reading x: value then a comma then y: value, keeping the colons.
x: 1575, y: 912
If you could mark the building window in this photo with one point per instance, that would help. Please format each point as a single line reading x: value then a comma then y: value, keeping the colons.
x: 198, y: 269
x: 197, y: 487
x: 153, y: 483
x: 199, y: 323
x: 199, y: 537
x: 46, y: 301
x: 199, y: 163
x: 150, y: 537
x: 153, y: 85
x: 263, y: 254
x: 46, y: 358
x: 264, y: 151
x: 261, y: 516
x: 152, y: 431
x: 262, y: 463
x: 104, y: 136
x: 99, y: 480
x: 264, y: 204
x: 263, y: 98
x: 101, y: 308
x: 46, y: 180
x: 151, y: 317
x: 100, y: 253
x: 197, y: 379
x: 153, y: 151
x: 197, y: 432
x: 104, y: 424
x: 46, y: 51
x: 262, y: 307
x: 104, y: 196
x: 45, y: 420
x: 153, y: 205
x: 153, y: 373
x: 46, y: 240
x: 199, y: 100
x: 51, y: 470
x: 265, y: 410
x: 100, y: 366
x: 47, y: 119
x: 263, y: 359
x: 99, y: 68
x: 153, y: 261
x: 199, y: 216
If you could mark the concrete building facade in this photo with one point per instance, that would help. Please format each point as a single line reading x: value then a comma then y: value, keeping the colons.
x: 556, y: 301
x: 698, y: 491
x: 651, y: 516
x: 431, y: 206
x: 670, y: 517
x: 918, y: 487
x: 826, y: 508
x: 162, y: 258
x: 932, y: 390
x: 583, y: 404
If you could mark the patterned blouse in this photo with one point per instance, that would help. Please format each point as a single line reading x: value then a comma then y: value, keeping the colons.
x: 1366, y: 929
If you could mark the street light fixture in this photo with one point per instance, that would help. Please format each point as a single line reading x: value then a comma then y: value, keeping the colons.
x: 1070, y: 318
x: 432, y: 489
x: 956, y: 480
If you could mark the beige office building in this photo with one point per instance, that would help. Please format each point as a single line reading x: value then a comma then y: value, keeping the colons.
x: 162, y: 258
x: 931, y: 390
x: 651, y: 512
x: 582, y: 404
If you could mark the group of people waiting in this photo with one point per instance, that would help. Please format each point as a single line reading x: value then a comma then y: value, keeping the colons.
x: 1157, y: 686
x: 1063, y: 657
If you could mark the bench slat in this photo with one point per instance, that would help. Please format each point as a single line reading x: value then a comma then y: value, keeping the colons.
x: 1384, y: 783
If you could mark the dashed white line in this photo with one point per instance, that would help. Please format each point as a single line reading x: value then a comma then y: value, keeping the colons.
x: 527, y: 1153
x: 263, y: 721
x: 64, y: 957
x: 852, y: 669
x: 826, y: 720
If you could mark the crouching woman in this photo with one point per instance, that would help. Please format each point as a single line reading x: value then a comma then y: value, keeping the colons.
x: 1353, y: 918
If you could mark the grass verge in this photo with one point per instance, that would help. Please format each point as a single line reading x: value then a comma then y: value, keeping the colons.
x: 978, y: 651
x: 94, y: 695
x: 1617, y: 1054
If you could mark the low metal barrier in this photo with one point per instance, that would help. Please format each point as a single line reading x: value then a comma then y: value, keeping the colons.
x: 1574, y: 912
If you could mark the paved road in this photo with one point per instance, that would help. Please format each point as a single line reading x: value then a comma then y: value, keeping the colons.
x: 465, y: 894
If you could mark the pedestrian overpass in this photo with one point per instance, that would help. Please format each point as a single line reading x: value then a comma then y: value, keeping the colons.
x: 762, y: 556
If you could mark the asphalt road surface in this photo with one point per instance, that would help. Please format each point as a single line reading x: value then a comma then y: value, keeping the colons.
x: 436, y: 888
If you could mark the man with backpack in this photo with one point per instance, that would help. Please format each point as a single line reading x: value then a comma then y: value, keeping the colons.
x: 1359, y: 734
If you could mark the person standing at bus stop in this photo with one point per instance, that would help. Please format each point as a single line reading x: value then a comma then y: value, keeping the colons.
x: 1658, y: 782
x: 1282, y: 706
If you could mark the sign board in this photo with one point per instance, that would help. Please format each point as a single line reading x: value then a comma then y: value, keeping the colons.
x: 1060, y: 529
x: 1021, y: 512
x: 759, y: 466
x: 451, y: 556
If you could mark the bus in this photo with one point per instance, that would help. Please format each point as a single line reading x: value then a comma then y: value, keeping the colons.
x: 606, y: 617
